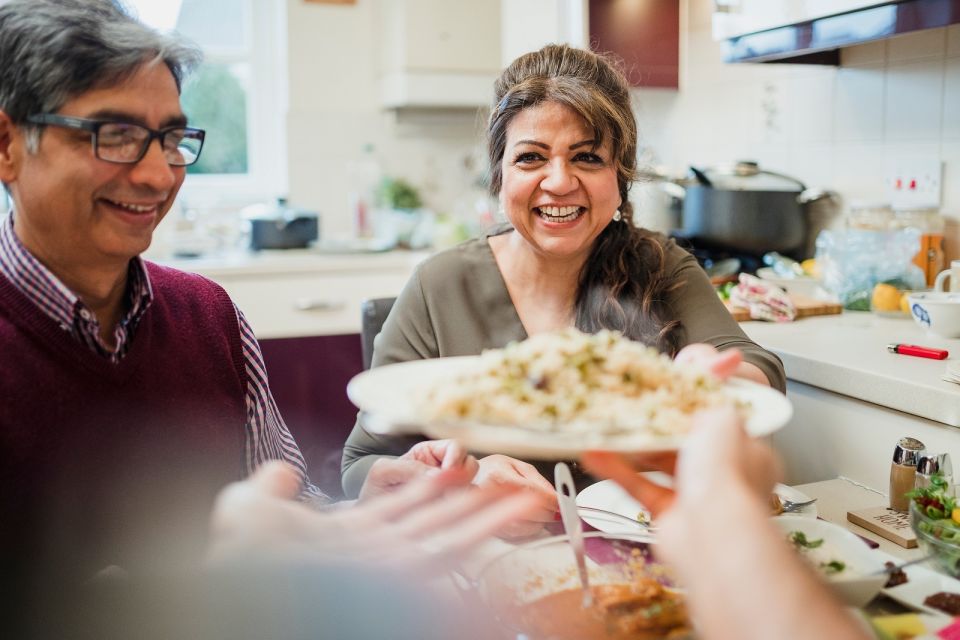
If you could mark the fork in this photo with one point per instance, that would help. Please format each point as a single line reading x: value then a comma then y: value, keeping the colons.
x: 789, y: 506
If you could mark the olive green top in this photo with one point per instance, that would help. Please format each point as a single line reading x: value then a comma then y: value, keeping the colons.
x: 457, y: 304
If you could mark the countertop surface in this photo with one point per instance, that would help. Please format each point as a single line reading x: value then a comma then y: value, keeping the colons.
x: 847, y: 354
x: 268, y: 263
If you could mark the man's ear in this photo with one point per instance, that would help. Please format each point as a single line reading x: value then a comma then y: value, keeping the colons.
x: 11, y: 146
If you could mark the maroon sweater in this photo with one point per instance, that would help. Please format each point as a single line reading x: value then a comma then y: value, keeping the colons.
x: 116, y: 464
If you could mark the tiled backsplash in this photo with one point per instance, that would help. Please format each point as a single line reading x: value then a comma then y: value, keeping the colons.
x: 831, y: 127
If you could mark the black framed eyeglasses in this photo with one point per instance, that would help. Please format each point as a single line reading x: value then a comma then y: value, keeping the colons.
x: 127, y: 143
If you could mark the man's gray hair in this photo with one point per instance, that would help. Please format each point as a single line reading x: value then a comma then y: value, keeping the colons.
x: 54, y: 50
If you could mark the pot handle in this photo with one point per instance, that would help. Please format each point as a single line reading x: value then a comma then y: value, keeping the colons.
x: 812, y: 195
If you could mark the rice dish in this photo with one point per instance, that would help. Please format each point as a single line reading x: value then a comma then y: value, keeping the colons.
x: 575, y: 383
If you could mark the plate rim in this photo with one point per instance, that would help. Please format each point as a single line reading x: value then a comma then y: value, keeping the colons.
x: 809, y: 513
x: 477, y: 437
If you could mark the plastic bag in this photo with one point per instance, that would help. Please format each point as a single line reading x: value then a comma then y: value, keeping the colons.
x: 853, y: 261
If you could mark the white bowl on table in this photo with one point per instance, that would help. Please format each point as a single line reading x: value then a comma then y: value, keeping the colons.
x: 858, y: 583
x: 937, y: 311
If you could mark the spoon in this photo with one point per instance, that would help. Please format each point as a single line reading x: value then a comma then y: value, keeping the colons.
x: 566, y: 497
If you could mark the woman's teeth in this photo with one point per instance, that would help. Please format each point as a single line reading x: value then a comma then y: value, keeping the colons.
x: 559, y: 214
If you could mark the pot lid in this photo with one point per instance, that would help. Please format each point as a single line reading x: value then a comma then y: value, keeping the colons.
x: 747, y: 176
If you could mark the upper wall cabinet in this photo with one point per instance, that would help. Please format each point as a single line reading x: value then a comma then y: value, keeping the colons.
x: 644, y: 33
x: 814, y: 31
x: 438, y: 53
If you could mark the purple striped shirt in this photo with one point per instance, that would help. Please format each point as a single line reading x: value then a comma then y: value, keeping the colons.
x: 267, y: 437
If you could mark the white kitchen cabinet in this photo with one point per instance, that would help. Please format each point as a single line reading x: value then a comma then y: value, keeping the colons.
x: 437, y: 53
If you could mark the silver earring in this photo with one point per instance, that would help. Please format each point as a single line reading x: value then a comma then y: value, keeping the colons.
x: 616, y: 216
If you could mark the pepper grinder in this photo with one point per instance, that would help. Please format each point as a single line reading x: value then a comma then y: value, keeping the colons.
x: 903, y: 471
x: 931, y: 464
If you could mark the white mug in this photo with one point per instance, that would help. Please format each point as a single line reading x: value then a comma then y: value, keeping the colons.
x: 953, y: 273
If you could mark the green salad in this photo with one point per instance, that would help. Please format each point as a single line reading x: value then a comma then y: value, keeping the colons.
x: 940, y: 526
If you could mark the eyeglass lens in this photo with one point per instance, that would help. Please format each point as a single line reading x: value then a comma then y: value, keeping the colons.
x: 118, y: 142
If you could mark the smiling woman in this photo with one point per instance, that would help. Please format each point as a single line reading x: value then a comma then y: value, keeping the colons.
x: 562, y: 144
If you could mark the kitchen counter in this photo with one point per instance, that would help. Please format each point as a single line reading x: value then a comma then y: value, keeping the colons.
x: 853, y: 399
x: 847, y: 354
x: 305, y: 293
x: 270, y: 263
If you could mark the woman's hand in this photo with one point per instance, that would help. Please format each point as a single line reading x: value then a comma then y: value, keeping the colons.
x: 389, y: 474
x: 504, y: 471
x: 723, y: 364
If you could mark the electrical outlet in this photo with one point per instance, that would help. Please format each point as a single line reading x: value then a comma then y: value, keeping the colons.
x: 914, y: 183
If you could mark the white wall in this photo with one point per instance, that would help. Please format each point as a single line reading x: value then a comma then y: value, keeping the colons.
x: 334, y: 110
x: 831, y: 127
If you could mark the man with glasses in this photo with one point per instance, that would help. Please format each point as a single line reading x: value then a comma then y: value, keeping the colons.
x: 130, y: 393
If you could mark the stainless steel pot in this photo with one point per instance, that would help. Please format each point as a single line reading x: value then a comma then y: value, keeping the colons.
x: 280, y: 227
x: 745, y: 208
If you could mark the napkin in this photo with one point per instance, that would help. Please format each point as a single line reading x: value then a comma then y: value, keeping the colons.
x: 764, y: 300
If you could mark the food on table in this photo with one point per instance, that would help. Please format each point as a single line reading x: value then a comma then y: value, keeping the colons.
x: 946, y: 602
x: 575, y: 383
x: 641, y: 610
x: 935, y: 517
x: 896, y: 578
x: 818, y: 554
x: 810, y: 267
x: 776, y: 506
x: 901, y: 626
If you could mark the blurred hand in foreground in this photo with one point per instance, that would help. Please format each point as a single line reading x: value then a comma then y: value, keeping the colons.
x: 389, y: 474
x: 427, y: 526
x: 747, y: 583
x: 506, y: 472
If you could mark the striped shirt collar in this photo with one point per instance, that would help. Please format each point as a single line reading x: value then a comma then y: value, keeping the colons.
x: 56, y: 300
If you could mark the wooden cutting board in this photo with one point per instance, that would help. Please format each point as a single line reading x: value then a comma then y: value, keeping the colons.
x: 805, y: 307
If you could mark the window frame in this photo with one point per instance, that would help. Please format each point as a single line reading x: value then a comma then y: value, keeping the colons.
x: 267, y: 100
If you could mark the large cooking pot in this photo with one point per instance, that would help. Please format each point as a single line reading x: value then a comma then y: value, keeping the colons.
x: 746, y: 208
x: 277, y: 226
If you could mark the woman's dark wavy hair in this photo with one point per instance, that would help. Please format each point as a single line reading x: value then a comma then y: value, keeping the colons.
x: 623, y: 284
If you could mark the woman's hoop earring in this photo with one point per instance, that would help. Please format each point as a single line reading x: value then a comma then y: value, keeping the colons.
x: 616, y: 216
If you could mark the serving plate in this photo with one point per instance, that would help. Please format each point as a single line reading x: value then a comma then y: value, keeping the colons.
x: 922, y: 582
x: 607, y: 495
x: 390, y: 396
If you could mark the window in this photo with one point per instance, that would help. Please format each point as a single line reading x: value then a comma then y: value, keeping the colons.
x: 238, y: 95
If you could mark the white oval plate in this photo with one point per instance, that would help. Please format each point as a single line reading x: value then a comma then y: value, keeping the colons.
x: 389, y: 396
x: 922, y: 582
x: 610, y: 496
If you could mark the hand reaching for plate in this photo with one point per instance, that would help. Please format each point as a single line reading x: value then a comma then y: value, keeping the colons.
x: 504, y: 471
x: 718, y: 454
x: 742, y: 579
x: 723, y: 364
x: 424, y: 526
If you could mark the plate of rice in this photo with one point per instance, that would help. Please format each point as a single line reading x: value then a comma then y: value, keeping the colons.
x: 556, y: 395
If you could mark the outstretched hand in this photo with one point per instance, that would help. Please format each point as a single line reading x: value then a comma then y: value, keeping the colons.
x: 427, y: 526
